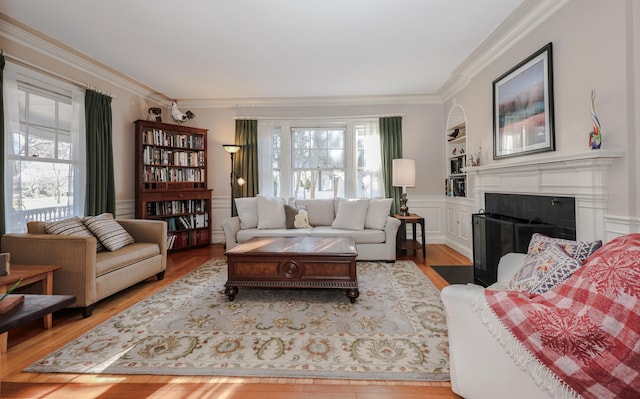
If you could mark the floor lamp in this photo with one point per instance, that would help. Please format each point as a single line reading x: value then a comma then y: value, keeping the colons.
x: 404, y: 175
x: 232, y: 149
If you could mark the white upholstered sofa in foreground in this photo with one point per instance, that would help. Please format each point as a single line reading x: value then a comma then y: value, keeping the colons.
x: 480, y: 366
x: 366, y: 220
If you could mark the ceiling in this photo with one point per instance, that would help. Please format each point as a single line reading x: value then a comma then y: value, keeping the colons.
x: 238, y: 49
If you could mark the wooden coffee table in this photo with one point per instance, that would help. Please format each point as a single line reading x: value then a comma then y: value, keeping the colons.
x: 293, y: 262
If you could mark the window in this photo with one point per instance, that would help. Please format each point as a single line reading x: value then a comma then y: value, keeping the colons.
x: 320, y: 159
x: 41, y: 155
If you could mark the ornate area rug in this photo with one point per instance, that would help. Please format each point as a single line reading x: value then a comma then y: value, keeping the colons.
x: 396, y: 330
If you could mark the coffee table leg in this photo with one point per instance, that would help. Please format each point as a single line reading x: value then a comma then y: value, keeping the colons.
x: 352, y: 294
x: 231, y: 292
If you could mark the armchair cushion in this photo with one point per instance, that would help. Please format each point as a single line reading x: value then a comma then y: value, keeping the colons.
x: 544, y: 270
x: 109, y: 232
x: 71, y: 227
x: 351, y: 214
x: 579, y: 250
x: 377, y: 213
x: 271, y: 213
x: 247, y: 212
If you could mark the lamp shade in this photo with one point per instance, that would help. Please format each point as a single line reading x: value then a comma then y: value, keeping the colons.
x: 404, y: 172
x: 231, y: 148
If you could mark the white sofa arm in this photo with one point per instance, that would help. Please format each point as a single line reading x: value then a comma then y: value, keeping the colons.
x: 509, y: 265
x: 231, y: 227
x: 479, y: 366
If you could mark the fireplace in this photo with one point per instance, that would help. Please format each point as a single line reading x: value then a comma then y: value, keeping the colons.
x: 509, y: 221
x: 581, y: 178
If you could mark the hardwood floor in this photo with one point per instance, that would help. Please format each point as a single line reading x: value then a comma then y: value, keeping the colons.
x: 30, y: 343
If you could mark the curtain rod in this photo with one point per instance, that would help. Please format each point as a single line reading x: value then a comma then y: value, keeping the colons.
x: 52, y: 74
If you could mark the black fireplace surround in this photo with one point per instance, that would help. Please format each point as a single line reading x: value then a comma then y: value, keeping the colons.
x: 509, y: 221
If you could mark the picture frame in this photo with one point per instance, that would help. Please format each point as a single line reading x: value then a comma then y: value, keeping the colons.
x: 523, y: 116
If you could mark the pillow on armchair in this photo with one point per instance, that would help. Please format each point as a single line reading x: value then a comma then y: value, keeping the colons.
x: 550, y: 261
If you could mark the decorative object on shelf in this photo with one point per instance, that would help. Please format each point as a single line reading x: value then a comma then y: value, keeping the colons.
x: 523, y: 116
x: 177, y: 115
x: 595, y: 136
x: 5, y: 264
x: 404, y: 175
x: 232, y: 149
x: 155, y: 114
x: 454, y: 135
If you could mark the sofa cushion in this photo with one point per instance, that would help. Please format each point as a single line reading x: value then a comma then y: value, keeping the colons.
x: 109, y: 261
x: 321, y: 211
x: 296, y: 217
x: 351, y: 214
x: 367, y: 236
x: 377, y: 213
x: 109, y: 232
x: 247, y: 234
x: 271, y: 213
x: 71, y: 227
x: 544, y: 270
x: 579, y: 250
x: 247, y: 212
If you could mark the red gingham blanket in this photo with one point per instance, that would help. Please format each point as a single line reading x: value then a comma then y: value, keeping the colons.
x: 586, y: 330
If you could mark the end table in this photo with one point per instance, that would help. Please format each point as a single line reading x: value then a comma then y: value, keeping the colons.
x: 412, y: 243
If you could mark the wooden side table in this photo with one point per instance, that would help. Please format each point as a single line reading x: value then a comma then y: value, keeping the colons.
x: 29, y: 274
x: 412, y: 243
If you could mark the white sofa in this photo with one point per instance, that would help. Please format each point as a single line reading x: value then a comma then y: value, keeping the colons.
x: 480, y: 367
x: 367, y: 221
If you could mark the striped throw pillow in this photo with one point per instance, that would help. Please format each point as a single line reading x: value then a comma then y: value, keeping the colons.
x: 71, y: 227
x: 109, y: 232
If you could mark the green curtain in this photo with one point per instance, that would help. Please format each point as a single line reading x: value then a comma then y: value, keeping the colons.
x: 2, y: 215
x: 391, y: 147
x: 246, y: 160
x: 101, y: 192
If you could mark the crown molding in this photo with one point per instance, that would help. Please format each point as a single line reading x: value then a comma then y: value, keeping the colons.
x: 310, y: 101
x: 520, y: 23
x: 24, y: 36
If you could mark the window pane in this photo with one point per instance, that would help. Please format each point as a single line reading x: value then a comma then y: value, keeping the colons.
x: 64, y: 146
x: 64, y: 116
x: 319, y: 139
x: 42, y: 143
x: 42, y: 185
x: 42, y: 110
x: 336, y: 139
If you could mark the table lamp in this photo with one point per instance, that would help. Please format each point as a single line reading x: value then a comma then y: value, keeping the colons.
x: 404, y: 175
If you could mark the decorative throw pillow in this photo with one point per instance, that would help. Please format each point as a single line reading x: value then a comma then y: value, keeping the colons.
x: 71, y: 227
x: 297, y: 217
x: 544, y: 270
x: 271, y: 213
x: 109, y: 232
x: 579, y: 250
x: 351, y: 214
x: 247, y: 212
x: 377, y: 213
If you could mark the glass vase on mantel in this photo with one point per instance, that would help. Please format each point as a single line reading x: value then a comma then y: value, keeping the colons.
x: 595, y: 136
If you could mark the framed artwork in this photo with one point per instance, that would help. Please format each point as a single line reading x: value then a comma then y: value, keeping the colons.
x: 523, y: 107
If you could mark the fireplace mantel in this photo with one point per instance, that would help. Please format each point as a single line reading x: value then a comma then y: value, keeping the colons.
x: 582, y: 175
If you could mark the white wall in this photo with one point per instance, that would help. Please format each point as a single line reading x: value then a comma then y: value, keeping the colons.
x: 594, y: 47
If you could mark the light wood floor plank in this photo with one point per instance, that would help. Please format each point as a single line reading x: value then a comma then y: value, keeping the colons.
x: 30, y: 343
